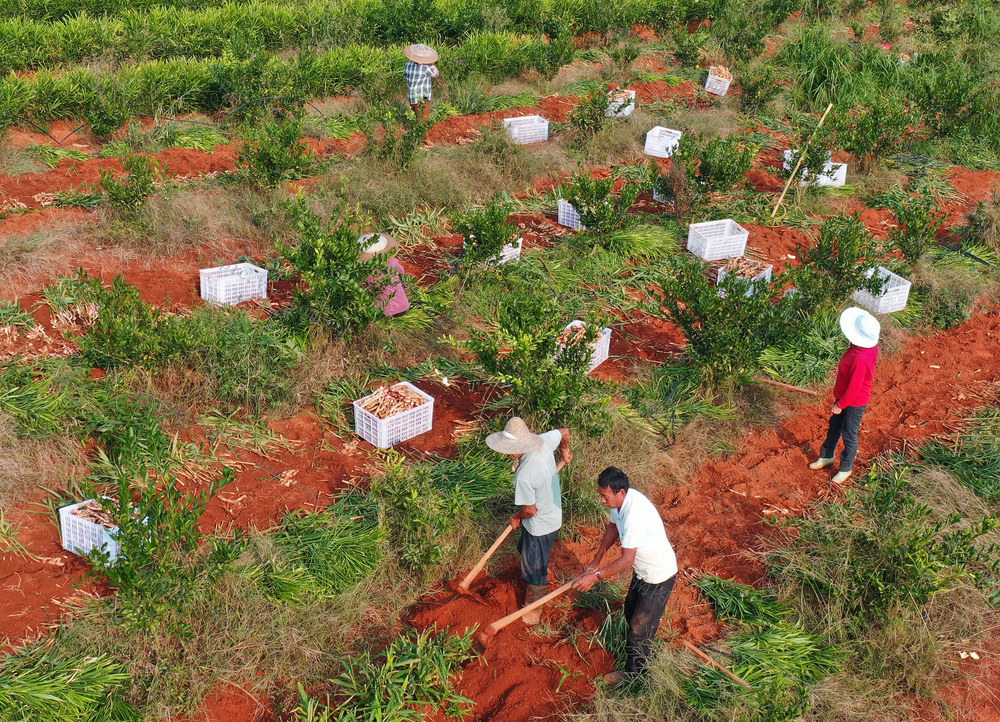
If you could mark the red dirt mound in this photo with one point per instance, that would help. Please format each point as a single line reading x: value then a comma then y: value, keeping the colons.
x: 523, y: 674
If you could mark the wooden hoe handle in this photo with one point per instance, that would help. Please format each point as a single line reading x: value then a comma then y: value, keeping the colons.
x: 464, y: 584
x: 711, y: 662
x: 511, y: 618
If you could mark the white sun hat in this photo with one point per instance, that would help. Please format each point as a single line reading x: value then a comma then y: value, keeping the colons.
x: 421, y: 54
x: 860, y: 327
x: 516, y: 438
x: 372, y: 243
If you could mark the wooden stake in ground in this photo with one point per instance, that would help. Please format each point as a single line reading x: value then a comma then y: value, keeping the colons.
x: 802, y: 155
x: 712, y: 663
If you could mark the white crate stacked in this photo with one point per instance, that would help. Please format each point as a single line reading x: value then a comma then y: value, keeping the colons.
x: 893, y: 297
x: 82, y: 536
x: 834, y: 175
x: 567, y: 215
x: 659, y: 197
x: 527, y: 129
x: 384, y: 433
x: 601, y: 347
x: 229, y: 285
x: 662, y: 142
x: 622, y: 103
x: 764, y: 276
x: 717, y: 240
x: 716, y: 84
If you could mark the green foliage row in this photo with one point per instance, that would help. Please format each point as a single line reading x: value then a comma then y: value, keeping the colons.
x: 387, y: 21
x: 412, y: 676
x: 210, y: 85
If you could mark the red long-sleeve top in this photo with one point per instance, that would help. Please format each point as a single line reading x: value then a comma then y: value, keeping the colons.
x: 855, y: 374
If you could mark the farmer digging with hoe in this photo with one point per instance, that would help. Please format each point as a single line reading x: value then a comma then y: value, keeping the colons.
x: 852, y: 390
x: 419, y: 71
x: 536, y: 490
x: 637, y: 524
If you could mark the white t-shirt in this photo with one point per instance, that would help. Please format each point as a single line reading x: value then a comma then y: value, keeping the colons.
x: 641, y: 528
x: 536, y: 481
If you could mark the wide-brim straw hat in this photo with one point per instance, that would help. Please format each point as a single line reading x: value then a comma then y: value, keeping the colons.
x: 420, y: 53
x: 516, y: 438
x: 372, y: 243
x: 861, y: 328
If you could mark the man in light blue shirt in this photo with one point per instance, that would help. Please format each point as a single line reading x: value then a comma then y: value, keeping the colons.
x: 537, y: 492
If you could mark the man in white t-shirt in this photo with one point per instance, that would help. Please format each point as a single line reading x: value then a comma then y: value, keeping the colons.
x: 536, y: 491
x: 645, y: 548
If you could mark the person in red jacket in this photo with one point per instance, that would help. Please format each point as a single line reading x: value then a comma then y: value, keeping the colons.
x: 852, y: 390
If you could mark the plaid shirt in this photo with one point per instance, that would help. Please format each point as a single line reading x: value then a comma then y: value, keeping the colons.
x: 419, y: 77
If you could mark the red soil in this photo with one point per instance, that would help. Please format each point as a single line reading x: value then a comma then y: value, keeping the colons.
x: 518, y: 676
x: 232, y: 703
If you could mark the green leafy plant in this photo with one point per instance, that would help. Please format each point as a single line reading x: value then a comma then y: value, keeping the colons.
x: 874, y: 131
x: 974, y: 456
x: 485, y: 232
x: 396, y: 137
x: 917, y: 221
x: 810, y: 144
x: 414, y: 672
x: 418, y: 518
x: 901, y: 555
x: 521, y: 354
x: 273, y: 150
x: 11, y: 314
x: 837, y: 263
x: 589, y: 116
x: 39, y: 684
x: 687, y: 46
x: 128, y: 194
x: 319, y: 554
x: 52, y: 155
x: 723, y: 163
x: 726, y: 332
x: 600, y: 211
x: 337, y: 291
x: 760, y: 86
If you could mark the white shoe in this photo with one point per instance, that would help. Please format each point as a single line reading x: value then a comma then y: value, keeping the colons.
x: 821, y: 463
x: 841, y: 476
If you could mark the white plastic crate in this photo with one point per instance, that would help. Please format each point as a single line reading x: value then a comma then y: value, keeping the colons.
x: 233, y: 284
x: 833, y: 176
x: 384, y: 433
x: 893, y: 297
x: 717, y: 240
x: 568, y: 216
x: 601, y: 346
x: 527, y: 129
x: 659, y: 197
x: 622, y: 103
x: 82, y: 536
x: 662, y: 142
x: 510, y: 252
x: 716, y: 85
x: 764, y: 276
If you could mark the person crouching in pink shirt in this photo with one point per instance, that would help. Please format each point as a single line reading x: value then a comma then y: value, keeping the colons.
x: 393, y: 298
x: 851, y: 391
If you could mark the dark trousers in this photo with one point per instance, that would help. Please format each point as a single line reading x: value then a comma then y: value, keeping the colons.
x: 644, y: 605
x: 846, y: 424
x: 535, y: 553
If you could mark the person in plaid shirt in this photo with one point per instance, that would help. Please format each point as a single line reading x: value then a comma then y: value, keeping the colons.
x: 419, y: 71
